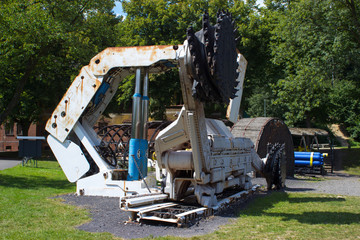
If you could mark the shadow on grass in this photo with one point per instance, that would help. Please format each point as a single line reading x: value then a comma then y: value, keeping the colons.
x: 320, y: 217
x: 278, y: 200
x: 33, y: 182
x: 298, y: 189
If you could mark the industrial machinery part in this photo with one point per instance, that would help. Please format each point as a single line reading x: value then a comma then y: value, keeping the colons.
x: 114, y: 145
x: 264, y: 130
x: 176, y: 213
x: 213, y: 59
x: 275, y: 167
x: 194, y: 154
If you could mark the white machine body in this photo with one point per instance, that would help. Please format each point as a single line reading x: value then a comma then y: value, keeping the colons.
x: 192, y: 151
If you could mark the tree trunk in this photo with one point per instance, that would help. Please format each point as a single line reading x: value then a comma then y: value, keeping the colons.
x: 350, y: 4
x: 25, y: 127
x: 308, y: 121
x: 19, y: 89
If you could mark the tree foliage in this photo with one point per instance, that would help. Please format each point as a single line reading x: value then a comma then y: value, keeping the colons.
x: 303, y: 55
x: 43, y: 44
x: 316, y: 44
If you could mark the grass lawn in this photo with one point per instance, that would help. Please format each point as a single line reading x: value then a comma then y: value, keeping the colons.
x: 27, y: 211
x: 353, y: 170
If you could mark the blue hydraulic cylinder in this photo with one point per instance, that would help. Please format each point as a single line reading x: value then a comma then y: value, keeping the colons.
x: 309, y: 158
x: 137, y: 159
x: 100, y: 93
x: 138, y: 145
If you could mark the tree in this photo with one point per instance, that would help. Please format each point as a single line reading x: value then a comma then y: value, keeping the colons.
x: 302, y: 44
x: 43, y: 44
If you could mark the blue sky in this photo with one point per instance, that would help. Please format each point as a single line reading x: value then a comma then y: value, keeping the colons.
x: 118, y: 8
x: 119, y: 11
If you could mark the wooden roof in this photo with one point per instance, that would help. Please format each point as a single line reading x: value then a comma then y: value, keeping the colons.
x: 308, y: 132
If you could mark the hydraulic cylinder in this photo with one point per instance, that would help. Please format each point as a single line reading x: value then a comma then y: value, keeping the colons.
x: 137, y: 146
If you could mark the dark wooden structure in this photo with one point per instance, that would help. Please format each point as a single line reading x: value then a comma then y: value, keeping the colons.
x: 264, y: 130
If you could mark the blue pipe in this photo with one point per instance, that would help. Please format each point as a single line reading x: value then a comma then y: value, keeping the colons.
x: 309, y: 158
x: 307, y: 155
x: 307, y: 163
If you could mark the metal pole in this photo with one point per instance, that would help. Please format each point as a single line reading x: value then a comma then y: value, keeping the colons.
x: 136, y: 131
x: 137, y: 145
x: 145, y: 104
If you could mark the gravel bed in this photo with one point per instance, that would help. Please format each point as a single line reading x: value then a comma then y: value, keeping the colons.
x: 339, y: 184
x: 107, y: 217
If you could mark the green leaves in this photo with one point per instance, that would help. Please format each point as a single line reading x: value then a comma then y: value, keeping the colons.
x: 42, y: 44
x: 314, y: 52
x: 303, y: 56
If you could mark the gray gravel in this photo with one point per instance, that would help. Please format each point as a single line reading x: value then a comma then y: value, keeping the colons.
x: 107, y: 217
x: 339, y: 184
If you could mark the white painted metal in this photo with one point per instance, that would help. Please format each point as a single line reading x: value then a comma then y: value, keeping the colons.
x: 86, y: 140
x: 217, y: 127
x: 233, y: 109
x: 73, y: 104
x: 70, y: 158
x: 148, y: 208
x: 179, y: 160
x: 132, y: 57
x: 141, y: 200
x: 102, y: 184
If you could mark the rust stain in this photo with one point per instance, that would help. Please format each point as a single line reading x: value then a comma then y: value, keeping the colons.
x: 110, y: 50
x: 69, y: 122
x: 82, y: 84
x: 66, y: 105
x: 98, y: 83
x: 153, y: 54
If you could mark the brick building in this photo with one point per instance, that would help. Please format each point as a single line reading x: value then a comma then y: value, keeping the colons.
x: 9, y: 132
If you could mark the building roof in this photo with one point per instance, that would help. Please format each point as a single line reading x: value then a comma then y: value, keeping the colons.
x: 308, y: 132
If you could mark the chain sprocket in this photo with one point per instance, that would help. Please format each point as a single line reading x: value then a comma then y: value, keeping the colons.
x: 275, y: 166
x: 214, y: 59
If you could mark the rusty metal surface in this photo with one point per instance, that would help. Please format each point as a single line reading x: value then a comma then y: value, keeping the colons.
x: 264, y: 130
x: 138, y: 56
x: 85, y: 85
x: 73, y: 104
x: 170, y: 212
x: 224, y: 203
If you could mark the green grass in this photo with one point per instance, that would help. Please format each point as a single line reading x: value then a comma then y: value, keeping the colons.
x: 27, y: 211
x: 297, y: 216
x: 353, y: 170
x: 351, y: 163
